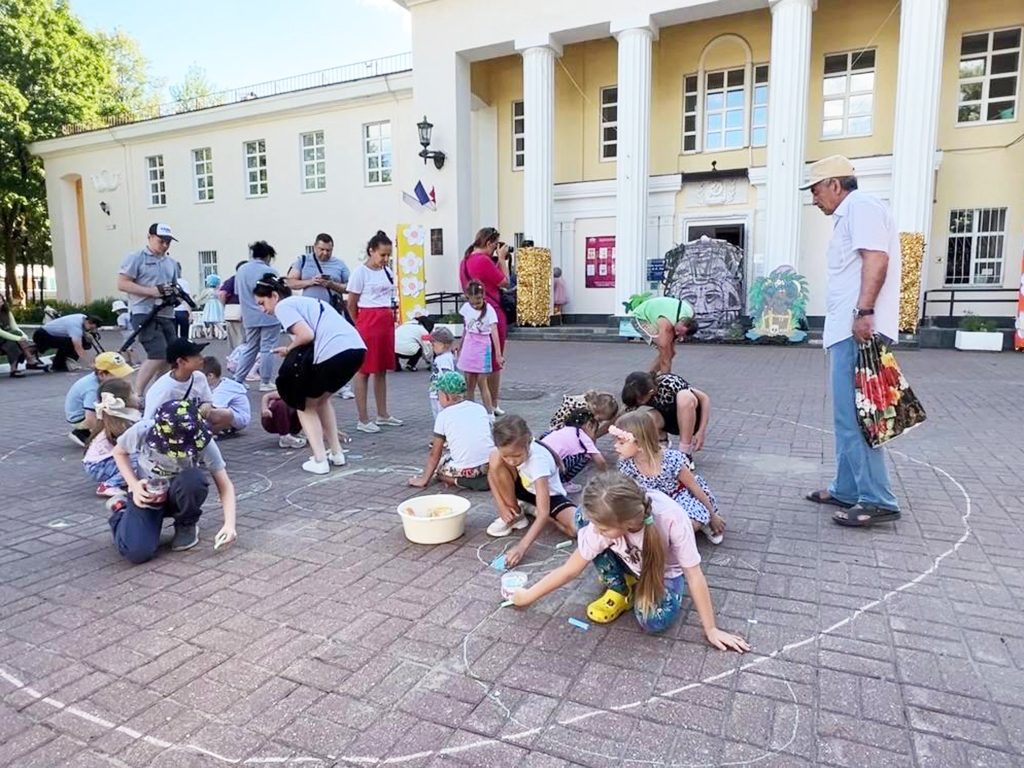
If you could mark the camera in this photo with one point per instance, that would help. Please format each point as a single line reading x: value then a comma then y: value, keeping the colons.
x: 172, y: 293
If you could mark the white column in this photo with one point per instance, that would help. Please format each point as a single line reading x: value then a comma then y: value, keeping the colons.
x: 788, y: 78
x: 919, y: 73
x: 539, y: 118
x: 633, y: 157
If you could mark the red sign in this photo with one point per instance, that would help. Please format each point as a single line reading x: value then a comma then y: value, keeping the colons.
x: 601, y: 262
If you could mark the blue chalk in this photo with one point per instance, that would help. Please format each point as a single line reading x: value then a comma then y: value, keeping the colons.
x: 498, y: 563
x: 579, y: 624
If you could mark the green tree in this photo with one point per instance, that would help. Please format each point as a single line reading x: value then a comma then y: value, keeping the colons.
x: 53, y: 72
x: 196, y: 91
x: 132, y: 88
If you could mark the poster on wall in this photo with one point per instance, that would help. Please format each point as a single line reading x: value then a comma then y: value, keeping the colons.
x: 600, y: 263
x: 412, y: 281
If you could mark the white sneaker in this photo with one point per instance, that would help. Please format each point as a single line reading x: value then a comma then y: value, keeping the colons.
x: 346, y: 393
x: 390, y: 421
x: 498, y: 412
x: 714, y: 538
x: 500, y: 528
x: 337, y: 459
x: 268, y: 387
x: 291, y: 441
x: 317, y: 467
x: 371, y: 427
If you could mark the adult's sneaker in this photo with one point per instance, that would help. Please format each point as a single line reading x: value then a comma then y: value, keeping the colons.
x: 346, y: 393
x: 317, y: 467
x: 79, y: 437
x: 500, y: 528
x: 267, y: 387
x: 185, y: 537
x: 369, y: 428
x: 337, y: 459
x: 291, y: 441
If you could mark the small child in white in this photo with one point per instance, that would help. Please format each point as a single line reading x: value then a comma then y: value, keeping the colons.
x: 441, y: 341
x: 124, y: 324
x: 466, y: 428
x: 231, y: 410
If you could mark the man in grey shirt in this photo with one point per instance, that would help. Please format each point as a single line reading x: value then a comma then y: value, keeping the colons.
x: 66, y: 335
x: 141, y: 275
x: 262, y: 330
x: 319, y: 274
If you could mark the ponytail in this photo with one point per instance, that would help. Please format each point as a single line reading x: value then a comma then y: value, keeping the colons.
x: 650, y: 589
x: 378, y: 240
x: 270, y: 284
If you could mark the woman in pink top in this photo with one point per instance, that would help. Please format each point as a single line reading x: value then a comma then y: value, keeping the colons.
x: 479, y: 264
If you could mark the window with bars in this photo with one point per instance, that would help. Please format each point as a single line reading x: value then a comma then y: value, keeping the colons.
x: 974, y: 252
x: 848, y: 89
x: 989, y: 76
x: 690, y: 98
x: 759, y: 107
x: 518, y: 136
x: 377, y: 153
x: 609, y: 122
x: 202, y: 171
x: 314, y: 162
x: 256, y: 168
x: 207, y: 265
x: 155, y: 180
x: 725, y: 108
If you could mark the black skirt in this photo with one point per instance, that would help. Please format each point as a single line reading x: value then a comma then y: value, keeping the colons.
x: 334, y: 372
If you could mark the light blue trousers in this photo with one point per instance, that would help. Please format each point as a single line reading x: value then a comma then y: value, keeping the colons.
x: 258, y: 341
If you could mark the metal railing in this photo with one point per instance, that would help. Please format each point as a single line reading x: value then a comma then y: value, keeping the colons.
x: 347, y: 73
x: 966, y: 296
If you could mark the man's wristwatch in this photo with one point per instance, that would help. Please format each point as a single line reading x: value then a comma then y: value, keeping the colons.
x: 864, y: 312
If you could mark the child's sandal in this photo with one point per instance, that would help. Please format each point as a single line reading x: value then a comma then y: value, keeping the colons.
x: 609, y: 606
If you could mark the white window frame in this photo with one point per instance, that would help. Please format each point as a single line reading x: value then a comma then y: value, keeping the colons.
x: 986, y: 79
x: 156, y: 181
x: 261, y: 186
x: 314, y: 169
x: 726, y: 109
x: 756, y: 125
x: 202, y: 175
x: 694, y: 113
x: 603, y: 143
x: 207, y: 265
x: 993, y: 238
x: 518, y: 134
x: 380, y: 154
x: 848, y: 93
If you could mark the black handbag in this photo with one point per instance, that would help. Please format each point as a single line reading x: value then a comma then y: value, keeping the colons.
x: 296, y: 371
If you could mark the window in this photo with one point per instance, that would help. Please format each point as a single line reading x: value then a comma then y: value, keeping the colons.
x: 309, y: 250
x: 518, y: 136
x: 314, y: 163
x: 377, y: 151
x: 609, y: 123
x: 207, y: 265
x: 974, y: 254
x: 202, y: 168
x: 725, y: 106
x: 989, y: 69
x: 437, y: 242
x: 155, y: 177
x: 759, y: 111
x: 256, y: 168
x: 848, y: 88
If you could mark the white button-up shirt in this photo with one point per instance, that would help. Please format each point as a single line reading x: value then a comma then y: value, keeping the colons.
x: 861, y: 223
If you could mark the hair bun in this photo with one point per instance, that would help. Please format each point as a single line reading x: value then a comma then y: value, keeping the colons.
x: 381, y: 233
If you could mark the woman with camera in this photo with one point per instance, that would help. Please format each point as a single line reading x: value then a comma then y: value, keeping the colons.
x: 487, y: 260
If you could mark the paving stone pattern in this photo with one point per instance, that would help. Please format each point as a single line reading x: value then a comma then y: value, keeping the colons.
x: 323, y: 637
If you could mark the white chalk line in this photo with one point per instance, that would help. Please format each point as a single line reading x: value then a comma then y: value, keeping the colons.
x: 368, y: 760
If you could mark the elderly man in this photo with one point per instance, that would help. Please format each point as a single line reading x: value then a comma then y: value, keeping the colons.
x: 863, y: 299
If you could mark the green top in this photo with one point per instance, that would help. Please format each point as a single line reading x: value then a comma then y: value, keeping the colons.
x: 671, y: 309
x: 12, y: 332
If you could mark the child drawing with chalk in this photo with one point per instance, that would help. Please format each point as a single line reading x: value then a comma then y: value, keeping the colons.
x: 525, y: 470
x: 643, y: 548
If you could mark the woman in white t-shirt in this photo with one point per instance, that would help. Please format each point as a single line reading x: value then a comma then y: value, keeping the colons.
x: 371, y: 292
x: 337, y: 353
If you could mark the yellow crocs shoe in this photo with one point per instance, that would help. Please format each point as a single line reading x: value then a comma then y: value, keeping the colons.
x: 609, y: 606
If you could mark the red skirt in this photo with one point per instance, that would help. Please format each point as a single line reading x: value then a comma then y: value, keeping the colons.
x: 377, y: 327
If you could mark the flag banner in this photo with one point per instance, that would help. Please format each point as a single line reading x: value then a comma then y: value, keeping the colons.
x: 412, y: 281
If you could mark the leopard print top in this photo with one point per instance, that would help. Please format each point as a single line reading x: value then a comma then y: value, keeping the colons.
x: 664, y: 401
x: 570, y: 405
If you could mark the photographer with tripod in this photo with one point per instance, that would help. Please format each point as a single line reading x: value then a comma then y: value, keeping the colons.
x: 148, y: 277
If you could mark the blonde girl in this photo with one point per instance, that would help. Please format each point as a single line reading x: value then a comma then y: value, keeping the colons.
x: 116, y: 411
x: 481, y: 345
x: 654, y: 468
x: 643, y: 548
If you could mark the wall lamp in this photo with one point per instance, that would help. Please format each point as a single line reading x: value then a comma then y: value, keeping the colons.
x: 425, y: 128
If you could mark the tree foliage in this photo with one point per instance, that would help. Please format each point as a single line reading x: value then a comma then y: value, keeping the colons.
x: 132, y: 88
x: 196, y: 91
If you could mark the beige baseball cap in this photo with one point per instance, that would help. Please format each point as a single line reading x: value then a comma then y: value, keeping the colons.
x: 835, y: 167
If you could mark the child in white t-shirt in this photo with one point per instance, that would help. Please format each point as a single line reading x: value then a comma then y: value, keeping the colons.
x: 441, y: 341
x: 481, y: 345
x: 525, y: 470
x: 466, y: 428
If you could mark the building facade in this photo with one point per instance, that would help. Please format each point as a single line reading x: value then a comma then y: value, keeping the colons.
x: 610, y: 132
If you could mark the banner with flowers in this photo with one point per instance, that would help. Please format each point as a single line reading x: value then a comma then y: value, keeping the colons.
x: 886, y: 405
x: 412, y: 280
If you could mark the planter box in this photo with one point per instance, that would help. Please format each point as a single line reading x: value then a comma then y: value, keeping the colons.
x: 980, y: 341
x: 455, y: 329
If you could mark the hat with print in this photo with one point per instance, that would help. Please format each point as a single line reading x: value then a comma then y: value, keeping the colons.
x: 112, y: 362
x: 162, y: 230
x: 179, y: 430
x: 183, y: 348
x: 451, y: 383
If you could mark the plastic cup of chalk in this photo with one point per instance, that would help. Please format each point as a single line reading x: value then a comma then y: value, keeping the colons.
x: 511, y: 581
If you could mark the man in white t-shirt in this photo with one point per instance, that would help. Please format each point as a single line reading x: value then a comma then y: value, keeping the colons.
x: 863, y: 299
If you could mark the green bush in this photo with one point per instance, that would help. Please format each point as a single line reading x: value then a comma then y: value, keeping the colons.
x: 33, y: 313
x: 973, y: 323
x: 452, y: 318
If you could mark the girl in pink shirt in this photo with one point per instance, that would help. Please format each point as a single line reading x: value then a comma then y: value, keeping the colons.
x: 574, y: 444
x: 643, y: 548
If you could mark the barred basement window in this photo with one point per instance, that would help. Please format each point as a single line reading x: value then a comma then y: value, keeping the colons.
x: 207, y: 265
x: 989, y: 77
x: 974, y: 253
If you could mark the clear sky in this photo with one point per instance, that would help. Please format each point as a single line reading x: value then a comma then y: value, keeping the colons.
x: 243, y: 42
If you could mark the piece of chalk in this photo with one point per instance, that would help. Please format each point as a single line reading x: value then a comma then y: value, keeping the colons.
x: 564, y: 544
x: 506, y: 604
x: 498, y: 563
x: 579, y: 624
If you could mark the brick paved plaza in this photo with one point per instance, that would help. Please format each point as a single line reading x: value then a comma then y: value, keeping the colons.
x: 322, y: 637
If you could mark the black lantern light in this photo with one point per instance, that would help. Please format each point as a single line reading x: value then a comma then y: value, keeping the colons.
x: 425, y: 127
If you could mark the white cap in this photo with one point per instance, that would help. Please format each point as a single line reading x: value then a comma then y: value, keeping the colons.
x: 118, y: 305
x: 162, y: 230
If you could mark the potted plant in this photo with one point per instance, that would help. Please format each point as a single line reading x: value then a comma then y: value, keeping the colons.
x: 453, y: 322
x: 978, y: 335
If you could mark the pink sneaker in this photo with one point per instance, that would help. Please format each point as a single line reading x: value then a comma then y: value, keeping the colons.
x: 109, y: 491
